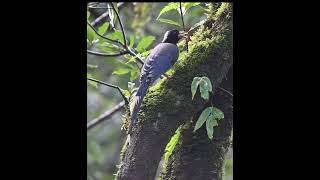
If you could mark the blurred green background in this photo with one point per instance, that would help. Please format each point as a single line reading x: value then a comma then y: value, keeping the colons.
x: 104, y: 141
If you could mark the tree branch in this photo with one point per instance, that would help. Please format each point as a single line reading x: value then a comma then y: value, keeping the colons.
x: 106, y: 115
x: 121, y: 26
x: 115, y: 41
x: 111, y: 85
x: 226, y: 91
x: 128, y: 50
x: 184, y: 29
x: 135, y: 55
x: 107, y: 55
x: 104, y: 15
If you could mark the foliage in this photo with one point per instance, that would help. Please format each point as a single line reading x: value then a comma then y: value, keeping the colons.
x: 145, y: 43
x: 172, y: 144
x: 211, y: 114
x: 175, y: 6
x: 205, y: 87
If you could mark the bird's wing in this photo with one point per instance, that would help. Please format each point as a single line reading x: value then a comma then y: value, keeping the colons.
x: 155, y: 67
x: 162, y: 59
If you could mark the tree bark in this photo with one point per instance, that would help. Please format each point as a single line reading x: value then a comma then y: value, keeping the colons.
x: 195, y: 156
x: 168, y: 104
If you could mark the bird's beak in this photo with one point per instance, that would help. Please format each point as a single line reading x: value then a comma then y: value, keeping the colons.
x: 182, y: 34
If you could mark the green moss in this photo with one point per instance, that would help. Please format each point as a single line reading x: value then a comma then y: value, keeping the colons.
x: 221, y: 9
x: 126, y: 118
x: 158, y: 100
x: 123, y: 150
x: 172, y: 144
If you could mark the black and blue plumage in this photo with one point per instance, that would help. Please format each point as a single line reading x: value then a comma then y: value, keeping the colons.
x: 161, y: 59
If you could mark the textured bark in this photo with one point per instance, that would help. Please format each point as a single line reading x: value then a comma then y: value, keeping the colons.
x: 169, y: 105
x: 195, y: 156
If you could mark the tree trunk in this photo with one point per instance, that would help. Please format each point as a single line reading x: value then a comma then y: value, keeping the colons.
x: 168, y: 104
x: 195, y: 156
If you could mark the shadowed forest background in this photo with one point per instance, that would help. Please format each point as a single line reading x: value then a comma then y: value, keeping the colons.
x: 105, y: 141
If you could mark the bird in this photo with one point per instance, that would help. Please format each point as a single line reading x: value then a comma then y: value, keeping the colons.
x: 160, y: 60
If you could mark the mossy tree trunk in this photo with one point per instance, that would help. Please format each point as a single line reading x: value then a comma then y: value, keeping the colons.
x: 195, y: 156
x: 169, y: 105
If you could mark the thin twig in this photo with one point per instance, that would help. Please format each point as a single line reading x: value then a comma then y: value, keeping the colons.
x: 106, y: 115
x: 184, y: 29
x: 121, y: 26
x: 111, y: 85
x: 125, y: 46
x: 104, y: 15
x: 196, y: 26
x: 124, y: 37
x: 135, y: 55
x: 115, y: 41
x: 107, y: 55
x: 226, y: 91
x: 95, y: 7
x: 96, y: 21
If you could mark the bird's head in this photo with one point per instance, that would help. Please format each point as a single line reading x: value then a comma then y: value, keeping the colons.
x: 173, y: 36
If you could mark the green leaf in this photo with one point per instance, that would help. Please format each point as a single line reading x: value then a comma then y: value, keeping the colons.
x: 94, y: 84
x: 145, y: 54
x: 117, y: 35
x: 121, y: 71
x: 186, y: 6
x: 169, y: 7
x: 145, y: 43
x: 133, y: 59
x: 108, y: 47
x: 189, y: 5
x: 194, y: 85
x: 208, y: 83
x: 168, y: 21
x: 217, y: 113
x: 210, y: 115
x: 210, y: 123
x: 90, y: 34
x: 134, y: 75
x: 203, y: 117
x: 88, y: 14
x: 131, y: 41
x: 103, y: 29
x: 204, y: 89
x: 142, y: 56
x: 126, y: 93
x: 172, y: 144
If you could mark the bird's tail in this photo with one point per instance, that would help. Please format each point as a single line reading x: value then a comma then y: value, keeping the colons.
x: 135, y: 106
